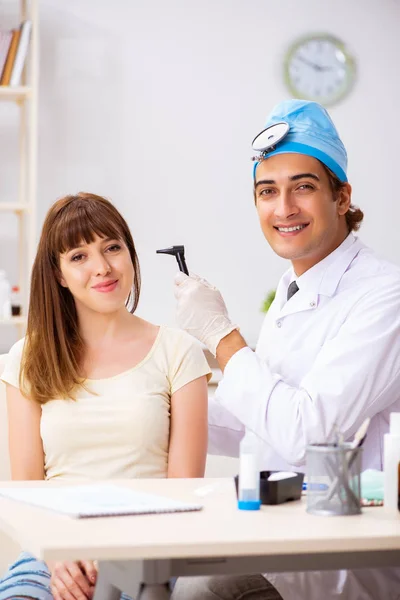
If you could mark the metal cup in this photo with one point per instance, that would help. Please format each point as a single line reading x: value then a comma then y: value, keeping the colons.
x: 333, y: 479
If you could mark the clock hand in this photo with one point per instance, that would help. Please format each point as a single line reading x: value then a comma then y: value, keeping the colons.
x: 308, y: 62
x: 313, y: 65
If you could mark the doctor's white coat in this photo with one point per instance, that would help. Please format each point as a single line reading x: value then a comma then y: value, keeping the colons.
x: 329, y: 357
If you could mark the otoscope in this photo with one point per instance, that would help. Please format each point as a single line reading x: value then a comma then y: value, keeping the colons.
x: 179, y: 253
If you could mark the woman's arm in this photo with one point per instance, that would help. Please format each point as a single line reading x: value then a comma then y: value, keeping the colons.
x: 68, y: 579
x: 24, y: 441
x: 188, y: 432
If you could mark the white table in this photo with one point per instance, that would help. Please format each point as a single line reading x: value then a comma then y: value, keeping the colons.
x: 138, y: 554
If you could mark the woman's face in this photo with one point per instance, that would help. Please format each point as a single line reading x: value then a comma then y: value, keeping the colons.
x: 99, y: 275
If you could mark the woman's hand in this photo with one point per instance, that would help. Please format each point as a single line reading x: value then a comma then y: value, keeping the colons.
x: 72, y: 580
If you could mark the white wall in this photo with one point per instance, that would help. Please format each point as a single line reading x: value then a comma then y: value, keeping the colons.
x: 154, y: 104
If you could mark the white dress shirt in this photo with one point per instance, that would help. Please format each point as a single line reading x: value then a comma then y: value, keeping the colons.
x: 327, y: 358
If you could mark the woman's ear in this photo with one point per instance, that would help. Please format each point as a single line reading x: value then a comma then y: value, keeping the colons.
x: 344, y: 199
x: 60, y: 278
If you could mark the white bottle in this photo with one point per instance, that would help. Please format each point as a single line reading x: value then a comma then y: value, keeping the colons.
x: 391, y: 459
x: 249, y: 473
x: 5, y: 296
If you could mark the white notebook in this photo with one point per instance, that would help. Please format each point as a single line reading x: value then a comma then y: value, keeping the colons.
x: 98, y: 500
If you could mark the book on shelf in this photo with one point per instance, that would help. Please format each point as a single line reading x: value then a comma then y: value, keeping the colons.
x: 5, y: 41
x: 6, y: 74
x: 22, y: 51
x: 14, y: 55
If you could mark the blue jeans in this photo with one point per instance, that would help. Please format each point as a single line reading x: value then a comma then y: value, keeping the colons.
x: 29, y: 577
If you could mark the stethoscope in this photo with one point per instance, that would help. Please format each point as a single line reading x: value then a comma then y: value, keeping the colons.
x: 268, y: 138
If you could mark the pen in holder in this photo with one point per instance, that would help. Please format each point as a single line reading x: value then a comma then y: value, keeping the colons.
x: 338, y: 469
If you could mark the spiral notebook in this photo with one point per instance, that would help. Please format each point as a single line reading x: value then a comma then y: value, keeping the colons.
x: 98, y: 500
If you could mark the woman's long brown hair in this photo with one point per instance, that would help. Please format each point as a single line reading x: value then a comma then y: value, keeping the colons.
x: 53, y: 351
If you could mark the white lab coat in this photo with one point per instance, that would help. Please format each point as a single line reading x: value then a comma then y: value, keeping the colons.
x: 328, y: 357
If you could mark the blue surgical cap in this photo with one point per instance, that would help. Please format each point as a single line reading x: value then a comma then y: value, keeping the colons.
x: 311, y: 132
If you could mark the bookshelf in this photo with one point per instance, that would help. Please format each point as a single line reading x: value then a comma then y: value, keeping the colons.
x: 19, y: 321
x: 15, y: 94
x: 23, y: 206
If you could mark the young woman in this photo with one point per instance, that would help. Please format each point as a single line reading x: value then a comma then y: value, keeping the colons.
x: 93, y: 391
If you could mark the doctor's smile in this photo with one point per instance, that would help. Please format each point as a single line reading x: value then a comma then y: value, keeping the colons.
x: 290, y: 230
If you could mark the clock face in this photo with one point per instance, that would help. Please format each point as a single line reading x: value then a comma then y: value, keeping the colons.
x: 319, y: 68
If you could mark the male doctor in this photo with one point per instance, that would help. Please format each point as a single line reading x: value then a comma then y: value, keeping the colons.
x: 328, y: 354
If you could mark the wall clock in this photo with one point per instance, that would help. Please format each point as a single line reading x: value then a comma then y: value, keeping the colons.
x: 318, y: 67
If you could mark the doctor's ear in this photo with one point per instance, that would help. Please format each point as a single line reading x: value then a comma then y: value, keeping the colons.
x: 343, y: 198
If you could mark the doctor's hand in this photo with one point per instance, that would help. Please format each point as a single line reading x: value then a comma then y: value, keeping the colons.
x: 201, y: 310
x: 72, y: 580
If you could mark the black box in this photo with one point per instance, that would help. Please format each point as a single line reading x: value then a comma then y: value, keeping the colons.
x: 277, y: 492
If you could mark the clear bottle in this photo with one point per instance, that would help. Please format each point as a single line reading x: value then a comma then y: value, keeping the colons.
x: 15, y: 301
x: 5, y: 296
x: 391, y: 453
x: 249, y: 473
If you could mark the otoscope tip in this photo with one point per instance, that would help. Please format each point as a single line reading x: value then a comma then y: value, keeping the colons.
x: 172, y: 250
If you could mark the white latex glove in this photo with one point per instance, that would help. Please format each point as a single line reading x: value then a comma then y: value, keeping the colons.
x: 201, y: 310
